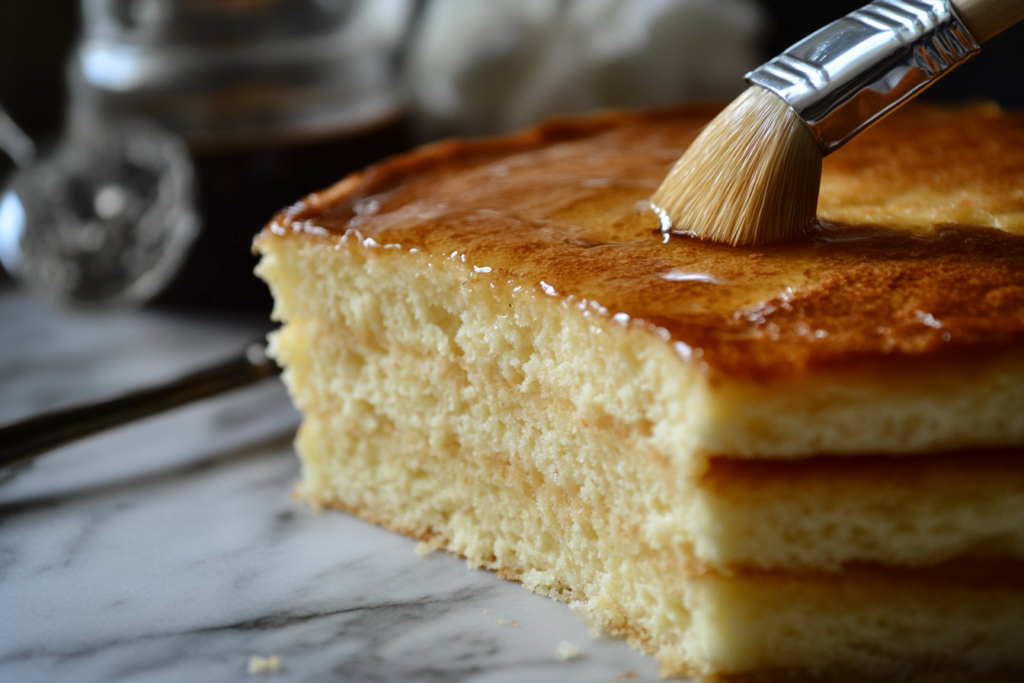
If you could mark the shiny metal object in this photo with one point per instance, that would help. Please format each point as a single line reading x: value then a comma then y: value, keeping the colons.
x: 22, y: 441
x: 854, y: 71
x: 13, y: 140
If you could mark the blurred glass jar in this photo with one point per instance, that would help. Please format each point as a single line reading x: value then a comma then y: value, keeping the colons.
x: 104, y: 219
x: 274, y: 98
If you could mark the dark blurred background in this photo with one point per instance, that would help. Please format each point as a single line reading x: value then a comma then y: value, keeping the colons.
x: 35, y: 41
x: 37, y: 38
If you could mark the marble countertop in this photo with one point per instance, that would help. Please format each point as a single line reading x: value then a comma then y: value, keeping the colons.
x: 170, y: 549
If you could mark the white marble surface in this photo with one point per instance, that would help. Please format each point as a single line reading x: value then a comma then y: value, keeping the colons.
x: 170, y: 550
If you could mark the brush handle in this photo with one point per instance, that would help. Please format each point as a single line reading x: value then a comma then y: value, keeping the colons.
x: 851, y: 73
x: 988, y: 18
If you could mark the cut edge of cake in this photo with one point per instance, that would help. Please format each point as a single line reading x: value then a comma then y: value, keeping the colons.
x: 418, y: 341
x: 859, y: 520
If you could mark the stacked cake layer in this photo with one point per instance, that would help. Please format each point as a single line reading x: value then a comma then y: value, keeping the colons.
x: 800, y: 461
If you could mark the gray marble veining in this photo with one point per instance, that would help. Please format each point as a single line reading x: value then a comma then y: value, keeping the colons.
x: 170, y: 549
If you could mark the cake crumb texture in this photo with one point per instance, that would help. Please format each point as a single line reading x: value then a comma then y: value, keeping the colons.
x: 262, y: 665
x: 566, y: 650
x: 804, y: 466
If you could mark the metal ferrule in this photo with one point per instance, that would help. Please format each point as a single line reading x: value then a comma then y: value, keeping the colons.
x: 856, y: 70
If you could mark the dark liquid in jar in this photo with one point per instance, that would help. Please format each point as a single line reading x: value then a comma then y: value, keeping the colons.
x: 240, y: 190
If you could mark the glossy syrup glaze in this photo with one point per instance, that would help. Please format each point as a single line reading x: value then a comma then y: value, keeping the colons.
x: 563, y: 208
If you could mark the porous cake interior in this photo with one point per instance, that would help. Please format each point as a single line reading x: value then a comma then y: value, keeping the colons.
x: 513, y: 429
x: 820, y: 513
x: 491, y: 425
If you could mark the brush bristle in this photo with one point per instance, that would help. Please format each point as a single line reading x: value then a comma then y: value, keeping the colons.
x: 751, y: 177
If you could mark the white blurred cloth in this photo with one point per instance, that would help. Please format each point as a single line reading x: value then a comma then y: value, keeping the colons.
x: 483, y: 67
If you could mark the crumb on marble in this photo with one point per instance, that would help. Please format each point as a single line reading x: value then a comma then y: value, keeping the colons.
x: 300, y: 493
x: 261, y: 665
x: 514, y: 623
x: 501, y: 621
x: 626, y: 676
x: 566, y: 650
x: 424, y: 549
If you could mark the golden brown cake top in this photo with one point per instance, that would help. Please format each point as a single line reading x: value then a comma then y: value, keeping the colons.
x: 919, y: 254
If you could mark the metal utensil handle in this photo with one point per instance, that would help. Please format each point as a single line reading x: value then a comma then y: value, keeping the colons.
x: 844, y: 77
x: 13, y: 140
x: 22, y: 441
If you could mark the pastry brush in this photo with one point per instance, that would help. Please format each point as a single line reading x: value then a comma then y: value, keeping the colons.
x: 752, y: 175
